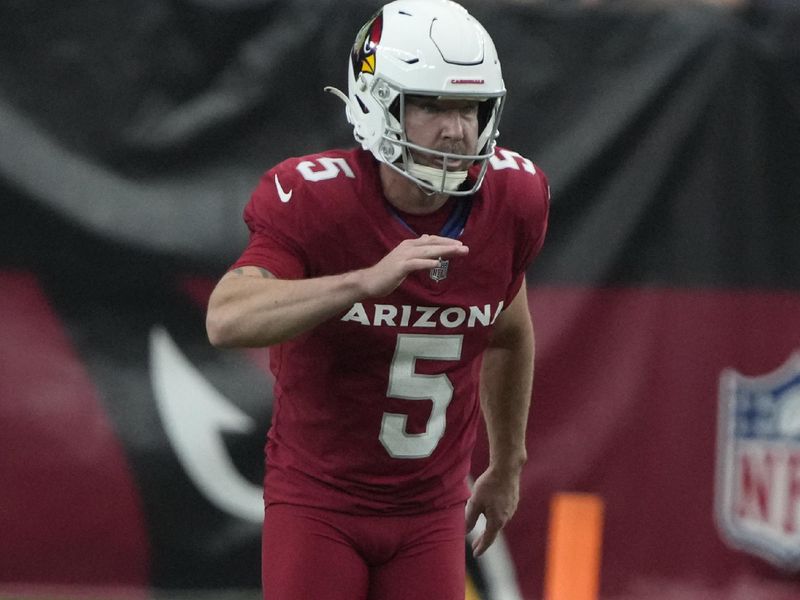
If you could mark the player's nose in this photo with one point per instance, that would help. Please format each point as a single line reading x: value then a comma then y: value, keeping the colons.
x: 453, y: 125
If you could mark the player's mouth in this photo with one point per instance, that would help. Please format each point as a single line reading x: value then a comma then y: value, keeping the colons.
x: 452, y: 164
x: 440, y: 162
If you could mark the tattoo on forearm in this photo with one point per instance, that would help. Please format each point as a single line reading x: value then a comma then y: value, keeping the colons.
x: 264, y: 273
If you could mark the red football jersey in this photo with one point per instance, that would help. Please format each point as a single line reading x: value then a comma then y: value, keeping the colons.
x: 376, y: 409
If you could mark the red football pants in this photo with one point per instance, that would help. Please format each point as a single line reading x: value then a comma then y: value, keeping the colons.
x: 315, y: 554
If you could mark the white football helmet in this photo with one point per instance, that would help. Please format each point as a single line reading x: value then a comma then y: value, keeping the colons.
x: 423, y: 48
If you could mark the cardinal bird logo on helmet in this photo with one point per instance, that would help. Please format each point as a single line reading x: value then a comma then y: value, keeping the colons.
x: 367, y: 42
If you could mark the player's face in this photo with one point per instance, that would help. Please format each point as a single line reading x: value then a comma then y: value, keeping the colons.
x: 447, y: 125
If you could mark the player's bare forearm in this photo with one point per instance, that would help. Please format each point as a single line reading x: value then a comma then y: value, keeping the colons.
x: 251, y: 308
x: 506, y: 382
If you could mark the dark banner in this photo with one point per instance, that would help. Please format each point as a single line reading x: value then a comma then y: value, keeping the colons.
x: 666, y: 300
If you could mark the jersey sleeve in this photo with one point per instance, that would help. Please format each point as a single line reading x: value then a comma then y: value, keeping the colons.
x: 275, y: 226
x: 532, y: 201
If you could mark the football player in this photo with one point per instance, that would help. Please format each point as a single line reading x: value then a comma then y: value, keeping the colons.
x: 389, y: 282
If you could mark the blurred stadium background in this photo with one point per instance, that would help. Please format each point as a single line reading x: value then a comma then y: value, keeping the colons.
x: 666, y: 301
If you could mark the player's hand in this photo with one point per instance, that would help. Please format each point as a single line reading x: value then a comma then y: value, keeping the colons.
x: 409, y: 255
x: 495, y: 495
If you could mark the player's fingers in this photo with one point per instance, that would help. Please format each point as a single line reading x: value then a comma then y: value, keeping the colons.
x: 428, y: 238
x: 486, y: 539
x: 452, y: 250
x: 417, y: 264
x: 478, y: 547
x: 435, y: 240
x: 438, y: 251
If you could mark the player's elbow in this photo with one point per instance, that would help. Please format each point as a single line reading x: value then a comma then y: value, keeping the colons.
x: 220, y: 328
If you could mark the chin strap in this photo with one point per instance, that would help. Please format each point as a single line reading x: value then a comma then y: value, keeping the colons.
x: 448, y: 181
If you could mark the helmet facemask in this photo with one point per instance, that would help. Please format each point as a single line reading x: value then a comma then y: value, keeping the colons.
x: 399, y: 151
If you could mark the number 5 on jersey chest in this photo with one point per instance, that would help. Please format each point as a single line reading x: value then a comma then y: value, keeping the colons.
x: 405, y: 383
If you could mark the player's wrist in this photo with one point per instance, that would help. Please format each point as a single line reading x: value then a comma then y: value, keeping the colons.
x: 357, y: 285
x: 508, y: 465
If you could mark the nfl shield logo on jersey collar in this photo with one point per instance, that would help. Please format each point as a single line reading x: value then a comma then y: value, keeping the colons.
x: 439, y: 272
x: 758, y: 463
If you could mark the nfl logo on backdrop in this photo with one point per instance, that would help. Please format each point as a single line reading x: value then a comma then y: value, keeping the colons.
x: 758, y: 464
